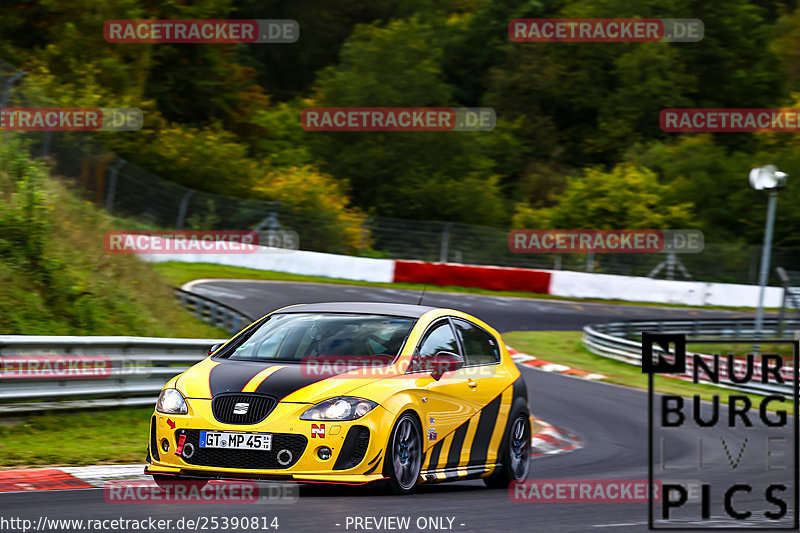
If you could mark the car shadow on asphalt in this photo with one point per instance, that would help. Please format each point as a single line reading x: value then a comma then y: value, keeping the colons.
x: 321, y: 490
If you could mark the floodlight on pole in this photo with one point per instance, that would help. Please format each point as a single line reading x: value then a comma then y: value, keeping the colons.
x: 771, y: 179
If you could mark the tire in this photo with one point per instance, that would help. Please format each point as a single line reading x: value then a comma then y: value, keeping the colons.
x: 403, y: 460
x: 514, y: 453
x: 168, y: 483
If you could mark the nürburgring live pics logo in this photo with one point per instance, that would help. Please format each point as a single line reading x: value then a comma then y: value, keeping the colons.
x: 741, y: 457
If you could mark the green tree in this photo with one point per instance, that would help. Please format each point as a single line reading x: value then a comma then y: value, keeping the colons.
x: 288, y: 71
x: 586, y: 103
x: 395, y: 173
x: 476, y: 41
x: 627, y: 197
x: 714, y: 180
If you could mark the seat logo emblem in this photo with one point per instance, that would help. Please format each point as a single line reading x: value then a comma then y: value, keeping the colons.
x: 241, y: 408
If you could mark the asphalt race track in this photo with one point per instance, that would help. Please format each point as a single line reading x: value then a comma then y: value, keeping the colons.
x: 257, y: 298
x: 611, y: 421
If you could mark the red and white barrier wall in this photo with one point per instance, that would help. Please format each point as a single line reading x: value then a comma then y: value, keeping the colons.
x: 485, y: 277
x: 586, y: 285
x: 553, y: 282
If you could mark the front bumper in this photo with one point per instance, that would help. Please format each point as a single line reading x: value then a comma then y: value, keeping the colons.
x: 357, y: 446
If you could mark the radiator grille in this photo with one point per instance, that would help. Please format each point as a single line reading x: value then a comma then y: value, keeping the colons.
x: 242, y: 408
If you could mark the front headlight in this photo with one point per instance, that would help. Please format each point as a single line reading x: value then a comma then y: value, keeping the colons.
x: 171, y: 402
x: 341, y: 408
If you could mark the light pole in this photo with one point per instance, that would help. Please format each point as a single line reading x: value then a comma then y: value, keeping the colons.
x: 771, y: 179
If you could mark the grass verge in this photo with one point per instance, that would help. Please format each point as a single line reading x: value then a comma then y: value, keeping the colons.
x: 56, y: 278
x: 77, y: 438
x: 565, y: 347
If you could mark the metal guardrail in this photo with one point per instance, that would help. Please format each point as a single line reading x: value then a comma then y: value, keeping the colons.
x: 132, y: 370
x: 44, y: 373
x: 213, y: 312
x: 616, y: 340
x: 790, y: 279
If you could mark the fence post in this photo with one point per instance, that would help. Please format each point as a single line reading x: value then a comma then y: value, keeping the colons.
x: 7, y: 91
x: 111, y: 191
x: 443, y: 251
x: 46, y: 144
x: 182, y: 210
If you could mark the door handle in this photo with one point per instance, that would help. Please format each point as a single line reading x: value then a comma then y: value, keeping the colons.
x: 472, y: 383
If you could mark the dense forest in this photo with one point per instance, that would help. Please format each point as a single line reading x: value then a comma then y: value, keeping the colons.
x: 577, y: 142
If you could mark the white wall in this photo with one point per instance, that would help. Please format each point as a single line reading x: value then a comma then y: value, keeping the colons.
x: 294, y: 262
x: 637, y: 289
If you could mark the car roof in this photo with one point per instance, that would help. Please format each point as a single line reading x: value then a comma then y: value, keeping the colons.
x: 367, y: 308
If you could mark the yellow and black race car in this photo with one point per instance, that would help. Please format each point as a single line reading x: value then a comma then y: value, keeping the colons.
x: 348, y: 393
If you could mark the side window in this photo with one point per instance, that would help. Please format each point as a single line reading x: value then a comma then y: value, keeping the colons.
x: 481, y: 348
x: 438, y: 339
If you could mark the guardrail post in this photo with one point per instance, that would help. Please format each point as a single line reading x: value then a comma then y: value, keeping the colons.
x: 228, y: 321
x: 784, y: 277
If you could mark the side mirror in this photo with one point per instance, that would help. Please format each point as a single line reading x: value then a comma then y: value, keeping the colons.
x: 445, y: 362
x: 214, y: 348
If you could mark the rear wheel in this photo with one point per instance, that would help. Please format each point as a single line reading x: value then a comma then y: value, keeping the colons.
x: 404, y: 455
x: 168, y: 483
x: 515, y: 452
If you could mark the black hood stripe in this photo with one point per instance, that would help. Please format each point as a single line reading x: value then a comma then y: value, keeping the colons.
x: 233, y: 376
x: 288, y: 380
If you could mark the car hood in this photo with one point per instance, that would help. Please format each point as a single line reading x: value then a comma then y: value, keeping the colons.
x: 290, y: 382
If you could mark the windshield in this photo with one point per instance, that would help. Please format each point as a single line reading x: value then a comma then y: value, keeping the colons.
x: 298, y: 336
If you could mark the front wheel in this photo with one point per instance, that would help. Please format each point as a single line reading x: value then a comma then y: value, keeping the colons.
x: 515, y: 453
x: 404, y: 455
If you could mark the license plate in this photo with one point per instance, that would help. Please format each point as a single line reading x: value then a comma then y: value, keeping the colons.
x: 236, y: 441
